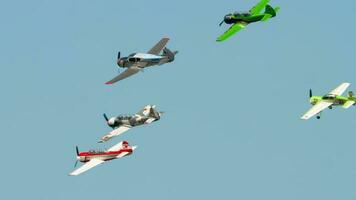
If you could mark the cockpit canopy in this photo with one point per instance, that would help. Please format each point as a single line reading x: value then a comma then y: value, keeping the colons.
x: 97, y: 151
x: 133, y: 59
x: 243, y: 14
x: 123, y: 117
x: 329, y: 97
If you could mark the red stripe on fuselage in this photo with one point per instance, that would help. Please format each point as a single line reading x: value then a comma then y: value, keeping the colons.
x: 109, y: 153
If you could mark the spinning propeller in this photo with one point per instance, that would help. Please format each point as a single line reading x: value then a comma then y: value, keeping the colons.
x: 76, y: 162
x: 118, y: 58
x: 310, y: 93
x: 221, y: 22
x: 107, y: 120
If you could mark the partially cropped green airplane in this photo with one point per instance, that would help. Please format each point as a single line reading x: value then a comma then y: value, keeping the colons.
x: 334, y: 98
x: 241, y: 20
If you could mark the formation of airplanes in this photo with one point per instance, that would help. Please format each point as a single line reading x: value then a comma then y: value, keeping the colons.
x: 159, y: 55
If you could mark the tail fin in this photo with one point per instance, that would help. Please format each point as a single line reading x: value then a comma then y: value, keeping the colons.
x: 169, y: 54
x: 154, y: 113
x: 270, y: 12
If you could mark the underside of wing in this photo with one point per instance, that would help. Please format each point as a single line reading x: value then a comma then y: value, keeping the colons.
x: 231, y: 31
x: 348, y: 104
x: 317, y: 108
x: 159, y: 46
x: 259, y: 7
x: 128, y: 72
x: 118, y: 131
x: 340, y: 89
x: 92, y: 163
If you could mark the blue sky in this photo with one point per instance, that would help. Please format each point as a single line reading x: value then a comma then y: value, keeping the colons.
x: 231, y: 128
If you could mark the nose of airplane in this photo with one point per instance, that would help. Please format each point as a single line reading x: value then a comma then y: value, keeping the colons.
x: 111, y: 121
x: 121, y: 62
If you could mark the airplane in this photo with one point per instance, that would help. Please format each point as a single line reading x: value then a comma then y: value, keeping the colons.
x: 138, y: 61
x: 329, y: 100
x: 95, y: 157
x: 122, y: 123
x: 241, y: 20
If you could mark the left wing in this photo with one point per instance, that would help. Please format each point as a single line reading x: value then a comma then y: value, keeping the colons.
x: 340, y: 89
x: 259, y: 7
x: 232, y: 30
x: 92, y: 163
x: 317, y: 108
x: 158, y: 47
x: 129, y: 72
x: 118, y: 131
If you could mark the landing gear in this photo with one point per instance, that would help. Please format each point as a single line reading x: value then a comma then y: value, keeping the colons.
x: 318, y: 117
x: 330, y: 107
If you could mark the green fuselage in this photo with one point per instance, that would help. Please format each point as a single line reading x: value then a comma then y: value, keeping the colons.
x: 336, y: 100
x: 245, y: 18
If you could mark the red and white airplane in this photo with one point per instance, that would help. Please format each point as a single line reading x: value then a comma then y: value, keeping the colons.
x: 96, y: 157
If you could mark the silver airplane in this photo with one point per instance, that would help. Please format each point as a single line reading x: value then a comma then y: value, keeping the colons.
x: 121, y: 124
x: 137, y: 61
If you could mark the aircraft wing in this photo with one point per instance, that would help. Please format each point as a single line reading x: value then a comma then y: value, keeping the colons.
x: 92, y: 163
x: 150, y: 120
x: 348, y: 104
x: 340, y: 89
x: 259, y: 7
x: 231, y: 31
x: 118, y: 131
x: 128, y: 72
x: 159, y: 46
x: 317, y: 108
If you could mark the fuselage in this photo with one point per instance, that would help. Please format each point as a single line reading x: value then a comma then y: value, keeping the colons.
x: 141, y: 60
x: 335, y: 100
x: 242, y: 17
x: 102, y: 155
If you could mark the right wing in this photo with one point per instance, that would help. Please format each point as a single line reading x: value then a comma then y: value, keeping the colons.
x: 158, y: 47
x: 92, y: 163
x: 317, y: 108
x: 231, y: 31
x: 115, y: 132
x: 129, y: 72
x: 340, y: 89
x: 259, y: 7
x: 348, y: 104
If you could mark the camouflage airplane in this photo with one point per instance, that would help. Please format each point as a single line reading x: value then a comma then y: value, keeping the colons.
x: 241, y: 20
x: 122, y: 123
x: 334, y: 98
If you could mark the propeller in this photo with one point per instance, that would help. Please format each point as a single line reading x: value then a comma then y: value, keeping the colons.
x: 76, y: 162
x: 76, y: 148
x: 221, y: 22
x: 106, y: 117
x: 118, y: 55
x: 107, y: 120
x: 310, y: 93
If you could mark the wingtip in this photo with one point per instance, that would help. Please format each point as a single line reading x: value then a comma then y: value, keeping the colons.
x: 108, y: 83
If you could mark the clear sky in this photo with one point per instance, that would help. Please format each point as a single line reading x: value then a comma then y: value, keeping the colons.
x: 231, y: 128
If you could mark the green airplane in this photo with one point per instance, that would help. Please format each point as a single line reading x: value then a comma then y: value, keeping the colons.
x: 334, y: 98
x: 241, y: 20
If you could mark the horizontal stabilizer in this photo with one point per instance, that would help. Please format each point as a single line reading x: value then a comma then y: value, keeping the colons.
x: 348, y: 104
x: 266, y: 17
